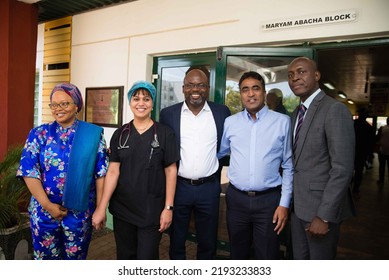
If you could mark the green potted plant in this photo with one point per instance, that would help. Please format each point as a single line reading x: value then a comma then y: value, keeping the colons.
x: 14, y: 199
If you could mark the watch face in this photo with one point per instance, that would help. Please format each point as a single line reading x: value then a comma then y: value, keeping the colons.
x: 169, y: 207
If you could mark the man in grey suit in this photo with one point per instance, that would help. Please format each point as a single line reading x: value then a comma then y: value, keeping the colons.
x: 323, y: 152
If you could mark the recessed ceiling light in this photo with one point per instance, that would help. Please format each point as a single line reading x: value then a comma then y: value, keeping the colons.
x: 342, y: 95
x: 329, y: 85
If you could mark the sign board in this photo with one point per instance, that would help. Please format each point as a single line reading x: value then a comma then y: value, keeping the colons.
x: 303, y: 21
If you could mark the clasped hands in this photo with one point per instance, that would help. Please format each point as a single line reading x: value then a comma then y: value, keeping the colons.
x: 99, y: 218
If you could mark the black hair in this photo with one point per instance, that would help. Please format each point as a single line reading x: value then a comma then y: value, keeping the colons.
x: 254, y: 75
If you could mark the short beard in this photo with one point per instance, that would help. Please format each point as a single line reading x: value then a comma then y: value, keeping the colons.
x: 196, y: 102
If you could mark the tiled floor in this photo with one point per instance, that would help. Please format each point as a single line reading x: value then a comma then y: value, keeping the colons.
x: 363, y: 237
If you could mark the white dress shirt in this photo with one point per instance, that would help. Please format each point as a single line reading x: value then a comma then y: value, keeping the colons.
x: 307, y: 103
x: 198, y: 143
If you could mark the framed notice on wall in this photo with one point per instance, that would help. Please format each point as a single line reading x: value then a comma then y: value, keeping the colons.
x: 103, y: 106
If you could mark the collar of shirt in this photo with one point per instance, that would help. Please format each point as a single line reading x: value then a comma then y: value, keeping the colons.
x: 185, y: 108
x: 68, y: 128
x: 309, y: 100
x: 259, y: 115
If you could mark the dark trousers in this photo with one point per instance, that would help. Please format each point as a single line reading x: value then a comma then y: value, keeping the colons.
x: 306, y: 247
x: 359, y: 165
x: 136, y: 243
x: 203, y: 201
x: 250, y: 221
x: 383, y: 160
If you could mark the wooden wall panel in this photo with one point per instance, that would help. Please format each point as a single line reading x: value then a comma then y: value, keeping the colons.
x: 56, y: 59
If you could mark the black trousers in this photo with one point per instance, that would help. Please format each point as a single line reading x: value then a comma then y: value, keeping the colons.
x: 250, y: 222
x: 203, y: 201
x: 383, y: 160
x: 136, y: 243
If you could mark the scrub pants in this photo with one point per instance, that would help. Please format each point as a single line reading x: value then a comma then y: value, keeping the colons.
x: 136, y: 243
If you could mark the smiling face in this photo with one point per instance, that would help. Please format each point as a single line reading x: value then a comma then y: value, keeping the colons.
x: 252, y: 94
x: 195, y: 89
x: 303, y: 77
x: 141, y: 104
x: 64, y: 116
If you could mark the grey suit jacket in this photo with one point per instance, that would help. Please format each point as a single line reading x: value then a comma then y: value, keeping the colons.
x: 324, y: 161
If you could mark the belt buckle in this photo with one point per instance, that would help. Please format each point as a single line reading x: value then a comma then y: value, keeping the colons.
x: 251, y: 193
x: 194, y: 182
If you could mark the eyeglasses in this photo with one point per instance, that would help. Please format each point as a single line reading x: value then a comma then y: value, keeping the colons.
x: 63, y: 105
x: 199, y: 86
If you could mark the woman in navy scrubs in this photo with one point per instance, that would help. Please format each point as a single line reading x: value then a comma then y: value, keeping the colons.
x: 141, y: 179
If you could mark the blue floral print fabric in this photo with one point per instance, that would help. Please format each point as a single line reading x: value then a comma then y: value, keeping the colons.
x: 45, y: 157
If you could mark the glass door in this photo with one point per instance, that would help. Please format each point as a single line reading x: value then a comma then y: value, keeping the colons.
x: 169, y: 73
x: 271, y: 63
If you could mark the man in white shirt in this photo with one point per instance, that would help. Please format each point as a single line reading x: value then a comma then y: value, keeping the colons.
x: 198, y: 126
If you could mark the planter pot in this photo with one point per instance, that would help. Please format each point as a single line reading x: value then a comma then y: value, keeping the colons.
x: 15, y: 238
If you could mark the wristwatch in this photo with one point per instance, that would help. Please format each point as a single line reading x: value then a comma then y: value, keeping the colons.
x: 169, y: 207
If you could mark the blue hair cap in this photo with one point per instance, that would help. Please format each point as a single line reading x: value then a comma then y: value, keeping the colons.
x: 142, y: 85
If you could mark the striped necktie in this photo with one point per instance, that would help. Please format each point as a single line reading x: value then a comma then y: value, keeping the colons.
x: 300, y: 116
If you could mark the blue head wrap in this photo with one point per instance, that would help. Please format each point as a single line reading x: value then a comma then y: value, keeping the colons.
x: 142, y: 85
x: 72, y: 91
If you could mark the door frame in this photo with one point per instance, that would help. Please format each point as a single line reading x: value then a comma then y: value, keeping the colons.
x: 206, y: 58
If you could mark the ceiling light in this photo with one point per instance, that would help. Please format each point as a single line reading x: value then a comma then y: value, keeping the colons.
x: 341, y: 94
x: 329, y: 85
x: 29, y: 1
x: 349, y: 101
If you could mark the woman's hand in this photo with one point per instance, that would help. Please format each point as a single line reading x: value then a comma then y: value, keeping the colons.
x: 57, y: 211
x: 99, y: 218
x: 165, y: 220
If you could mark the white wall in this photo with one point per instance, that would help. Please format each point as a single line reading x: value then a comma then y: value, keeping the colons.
x: 115, y: 46
x: 101, y: 64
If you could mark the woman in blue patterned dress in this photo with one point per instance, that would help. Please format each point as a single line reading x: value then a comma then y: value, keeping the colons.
x: 63, y: 164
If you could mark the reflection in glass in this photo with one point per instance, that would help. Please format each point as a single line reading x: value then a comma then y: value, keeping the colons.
x: 274, y: 70
x: 171, y: 89
x: 172, y: 82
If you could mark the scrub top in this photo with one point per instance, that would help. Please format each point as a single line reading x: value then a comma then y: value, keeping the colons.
x: 139, y: 197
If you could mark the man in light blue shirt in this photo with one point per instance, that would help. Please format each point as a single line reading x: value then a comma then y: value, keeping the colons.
x: 258, y: 197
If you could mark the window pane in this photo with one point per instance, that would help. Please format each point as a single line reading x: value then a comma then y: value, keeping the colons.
x: 272, y: 69
x: 171, y: 89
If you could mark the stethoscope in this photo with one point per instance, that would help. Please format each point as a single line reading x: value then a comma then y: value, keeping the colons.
x: 154, y: 143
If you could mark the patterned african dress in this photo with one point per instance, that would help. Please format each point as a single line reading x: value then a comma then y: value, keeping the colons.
x: 45, y: 157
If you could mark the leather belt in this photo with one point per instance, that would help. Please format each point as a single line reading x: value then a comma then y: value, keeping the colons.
x: 257, y: 193
x: 195, y: 182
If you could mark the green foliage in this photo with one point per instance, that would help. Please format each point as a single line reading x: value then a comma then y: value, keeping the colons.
x: 290, y: 103
x: 13, y: 191
x: 233, y: 101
